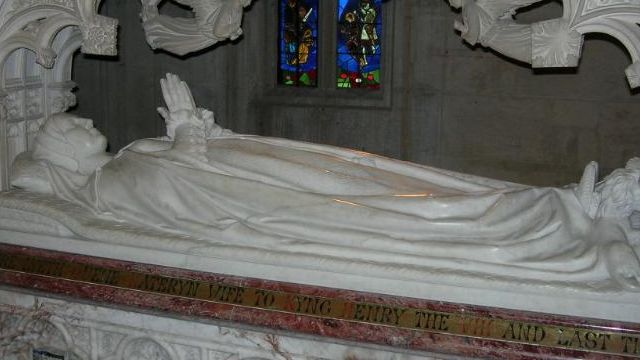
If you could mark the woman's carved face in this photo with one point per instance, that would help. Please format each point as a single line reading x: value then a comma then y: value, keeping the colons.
x: 85, y: 139
x: 71, y: 143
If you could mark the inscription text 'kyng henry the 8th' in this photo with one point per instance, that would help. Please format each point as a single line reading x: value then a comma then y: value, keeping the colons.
x: 587, y: 339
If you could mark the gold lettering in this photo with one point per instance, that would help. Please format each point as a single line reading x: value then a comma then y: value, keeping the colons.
x: 476, y: 326
x: 312, y: 306
x: 192, y: 288
x: 149, y: 283
x: 264, y: 299
x: 579, y: 337
x: 583, y: 339
x: 226, y: 293
x: 443, y: 323
x: 160, y: 284
x: 630, y: 345
x: 594, y: 340
x: 359, y: 313
x: 432, y: 321
x: 6, y: 262
x: 378, y: 314
x: 524, y: 332
x: 163, y: 286
x: 101, y: 276
x: 399, y: 312
x: 173, y: 284
x: 41, y: 267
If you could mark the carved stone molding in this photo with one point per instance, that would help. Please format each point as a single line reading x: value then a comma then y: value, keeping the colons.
x: 21, y: 5
x: 214, y: 21
x: 554, y: 42
x: 99, y: 32
x: 145, y: 349
x: 91, y: 332
x: 53, y: 30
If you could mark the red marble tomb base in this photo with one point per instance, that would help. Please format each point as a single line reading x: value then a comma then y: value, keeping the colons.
x: 398, y: 322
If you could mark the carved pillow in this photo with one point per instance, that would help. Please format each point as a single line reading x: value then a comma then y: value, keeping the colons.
x: 29, y: 174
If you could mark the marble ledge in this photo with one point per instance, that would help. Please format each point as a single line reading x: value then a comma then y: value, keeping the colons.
x: 400, y: 324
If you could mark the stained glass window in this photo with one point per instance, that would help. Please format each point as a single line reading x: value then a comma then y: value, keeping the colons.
x: 359, y: 53
x: 298, y: 42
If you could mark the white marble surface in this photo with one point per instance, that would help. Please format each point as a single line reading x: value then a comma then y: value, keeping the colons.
x: 299, y: 200
x: 555, y: 42
x: 37, y: 42
x: 89, y: 332
x: 213, y: 21
x: 617, y: 305
x: 207, y: 199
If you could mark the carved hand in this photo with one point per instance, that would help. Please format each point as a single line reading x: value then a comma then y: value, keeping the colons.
x: 185, y: 123
x: 181, y: 108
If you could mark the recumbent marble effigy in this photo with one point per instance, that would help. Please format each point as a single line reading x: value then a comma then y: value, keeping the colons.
x: 290, y: 198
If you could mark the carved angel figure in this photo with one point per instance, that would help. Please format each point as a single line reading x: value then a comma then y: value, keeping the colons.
x: 215, y: 20
x: 289, y: 197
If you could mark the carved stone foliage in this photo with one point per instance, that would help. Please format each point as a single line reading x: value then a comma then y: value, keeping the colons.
x: 24, y: 329
x: 145, y: 349
x: 13, y: 104
x: 214, y: 21
x: 108, y: 342
x: 21, y: 28
x: 3, y: 107
x: 61, y: 99
x: 100, y: 36
x: 94, y: 333
x: 23, y: 104
x: 33, y: 102
x: 554, y: 42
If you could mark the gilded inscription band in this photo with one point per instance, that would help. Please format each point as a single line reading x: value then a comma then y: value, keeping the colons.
x: 485, y: 327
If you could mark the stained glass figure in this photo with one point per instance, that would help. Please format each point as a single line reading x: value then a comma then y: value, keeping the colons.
x: 359, y: 53
x: 298, y: 42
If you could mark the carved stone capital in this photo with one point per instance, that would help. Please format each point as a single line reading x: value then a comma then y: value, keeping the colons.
x: 633, y: 74
x: 46, y: 57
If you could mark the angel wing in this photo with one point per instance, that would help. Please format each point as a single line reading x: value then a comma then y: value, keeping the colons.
x: 201, y: 7
x: 501, y: 8
x: 215, y: 20
x: 220, y: 19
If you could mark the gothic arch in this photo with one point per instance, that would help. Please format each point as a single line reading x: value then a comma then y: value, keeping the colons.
x: 52, y: 30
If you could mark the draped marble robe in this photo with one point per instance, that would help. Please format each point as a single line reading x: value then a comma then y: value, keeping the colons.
x: 300, y: 198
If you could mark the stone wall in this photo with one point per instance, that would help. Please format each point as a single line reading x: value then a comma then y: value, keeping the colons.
x: 445, y: 104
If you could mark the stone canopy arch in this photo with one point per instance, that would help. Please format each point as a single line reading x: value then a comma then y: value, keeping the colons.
x: 37, y: 42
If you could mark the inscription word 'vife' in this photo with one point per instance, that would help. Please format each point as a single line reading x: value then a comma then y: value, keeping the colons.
x: 588, y: 339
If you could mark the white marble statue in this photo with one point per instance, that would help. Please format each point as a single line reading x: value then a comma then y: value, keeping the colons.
x: 213, y: 21
x: 296, y: 197
x: 553, y: 42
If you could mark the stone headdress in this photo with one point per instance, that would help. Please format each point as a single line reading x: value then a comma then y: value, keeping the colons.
x: 52, y: 145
